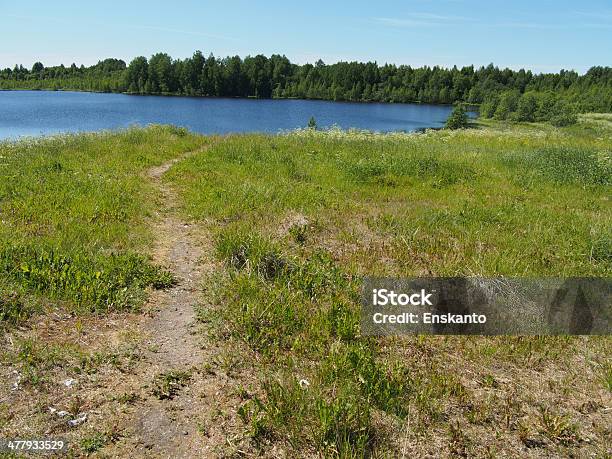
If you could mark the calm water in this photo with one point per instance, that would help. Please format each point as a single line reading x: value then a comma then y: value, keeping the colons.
x: 47, y: 112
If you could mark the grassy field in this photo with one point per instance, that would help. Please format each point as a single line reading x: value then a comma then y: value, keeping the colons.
x: 297, y: 221
x: 74, y: 214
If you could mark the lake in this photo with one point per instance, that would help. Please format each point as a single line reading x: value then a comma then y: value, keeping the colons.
x: 27, y: 113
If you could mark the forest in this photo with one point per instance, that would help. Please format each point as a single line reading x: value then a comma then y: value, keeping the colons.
x: 499, y: 90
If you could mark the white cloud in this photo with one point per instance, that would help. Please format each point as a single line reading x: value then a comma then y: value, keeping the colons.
x: 405, y: 22
x: 421, y: 20
x: 544, y: 26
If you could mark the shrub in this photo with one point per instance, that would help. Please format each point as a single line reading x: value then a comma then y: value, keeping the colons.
x: 527, y: 107
x: 546, y: 106
x: 458, y: 119
x: 507, y: 104
x: 488, y: 107
x: 564, y: 116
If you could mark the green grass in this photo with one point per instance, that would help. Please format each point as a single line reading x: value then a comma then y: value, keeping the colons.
x: 475, y: 201
x: 299, y: 219
x: 74, y: 214
x: 93, y: 443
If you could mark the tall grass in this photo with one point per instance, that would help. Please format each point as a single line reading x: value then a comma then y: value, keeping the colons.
x: 451, y: 204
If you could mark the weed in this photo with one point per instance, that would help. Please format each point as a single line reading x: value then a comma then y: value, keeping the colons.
x: 507, y: 200
x: 558, y: 428
x: 168, y: 384
x: 252, y: 415
x: 74, y: 219
x: 97, y: 440
x: 459, y: 441
x: 344, y: 428
x: 76, y: 405
x: 565, y: 165
x: 601, y: 249
x: 34, y: 359
x: 93, y: 443
x: 489, y: 381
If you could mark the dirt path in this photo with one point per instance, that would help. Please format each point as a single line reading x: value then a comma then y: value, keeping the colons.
x: 122, y: 365
x: 175, y: 426
x: 178, y: 250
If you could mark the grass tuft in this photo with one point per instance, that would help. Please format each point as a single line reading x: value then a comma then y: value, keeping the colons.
x: 168, y: 384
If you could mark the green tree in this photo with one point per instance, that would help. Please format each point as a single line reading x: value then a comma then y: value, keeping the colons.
x: 258, y: 73
x: 161, y: 73
x: 137, y: 74
x: 458, y: 119
x: 547, y: 102
x: 526, y: 108
x: 195, y: 65
x: 488, y: 107
x: 507, y: 105
x: 38, y: 67
x: 235, y: 82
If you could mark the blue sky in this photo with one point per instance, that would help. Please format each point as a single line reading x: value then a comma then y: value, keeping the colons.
x: 542, y: 35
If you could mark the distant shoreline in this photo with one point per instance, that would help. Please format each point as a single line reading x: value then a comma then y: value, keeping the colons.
x: 470, y: 106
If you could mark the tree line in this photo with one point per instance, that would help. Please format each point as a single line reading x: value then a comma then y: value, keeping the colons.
x: 529, y: 106
x: 501, y: 91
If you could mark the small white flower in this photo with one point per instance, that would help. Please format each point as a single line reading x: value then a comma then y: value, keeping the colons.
x: 304, y: 383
